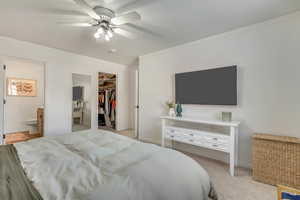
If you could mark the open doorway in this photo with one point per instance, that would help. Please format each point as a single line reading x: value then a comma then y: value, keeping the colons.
x: 107, y: 101
x: 24, y: 95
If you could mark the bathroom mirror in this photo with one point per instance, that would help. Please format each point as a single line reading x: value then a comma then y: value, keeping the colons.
x: 81, y: 102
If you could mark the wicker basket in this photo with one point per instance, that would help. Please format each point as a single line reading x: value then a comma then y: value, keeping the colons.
x: 276, y: 160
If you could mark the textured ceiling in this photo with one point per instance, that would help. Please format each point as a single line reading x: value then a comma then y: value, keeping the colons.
x: 172, y: 22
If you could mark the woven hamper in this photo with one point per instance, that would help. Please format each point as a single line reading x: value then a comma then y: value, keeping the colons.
x: 276, y: 160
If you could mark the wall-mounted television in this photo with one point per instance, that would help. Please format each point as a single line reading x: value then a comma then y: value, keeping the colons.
x: 207, y: 87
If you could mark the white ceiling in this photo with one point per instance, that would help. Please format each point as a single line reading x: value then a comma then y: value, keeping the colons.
x: 172, y: 22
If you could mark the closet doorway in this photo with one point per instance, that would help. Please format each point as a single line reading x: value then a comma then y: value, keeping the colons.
x: 107, y: 101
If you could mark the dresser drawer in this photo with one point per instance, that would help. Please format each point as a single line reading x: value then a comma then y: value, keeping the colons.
x: 215, y: 146
x: 178, y: 136
x: 185, y: 139
x: 195, y: 135
x: 198, y: 138
x: 216, y: 139
x: 173, y: 131
x: 192, y: 140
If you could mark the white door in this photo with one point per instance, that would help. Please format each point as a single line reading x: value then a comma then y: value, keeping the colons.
x: 136, y: 105
x: 2, y: 81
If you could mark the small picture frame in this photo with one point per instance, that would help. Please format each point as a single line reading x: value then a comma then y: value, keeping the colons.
x: 226, y: 116
x: 21, y: 87
x: 287, y: 193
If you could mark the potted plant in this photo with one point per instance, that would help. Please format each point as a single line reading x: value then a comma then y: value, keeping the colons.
x: 171, y: 107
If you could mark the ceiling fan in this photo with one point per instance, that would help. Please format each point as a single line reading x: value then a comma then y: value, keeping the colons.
x: 106, y: 21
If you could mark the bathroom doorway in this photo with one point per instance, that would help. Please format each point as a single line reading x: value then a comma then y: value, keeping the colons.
x: 23, y: 92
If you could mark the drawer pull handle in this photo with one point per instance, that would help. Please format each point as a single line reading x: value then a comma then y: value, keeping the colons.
x: 215, y: 145
x: 215, y: 139
x: 191, y: 134
x: 172, y: 136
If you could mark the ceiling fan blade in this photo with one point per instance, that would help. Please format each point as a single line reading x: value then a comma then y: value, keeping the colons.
x: 108, y: 1
x: 126, y: 18
x: 133, y: 5
x: 87, y: 9
x: 124, y: 33
x: 141, y: 30
x: 60, y: 12
x: 76, y: 24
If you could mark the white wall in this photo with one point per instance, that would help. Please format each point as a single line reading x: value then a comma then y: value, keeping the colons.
x: 18, y: 109
x: 267, y: 55
x: 58, y: 93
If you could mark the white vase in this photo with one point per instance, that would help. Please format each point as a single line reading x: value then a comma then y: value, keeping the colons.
x: 172, y: 112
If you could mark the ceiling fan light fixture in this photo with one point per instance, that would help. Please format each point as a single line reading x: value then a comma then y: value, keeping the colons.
x: 106, y: 20
x: 97, y: 35
x: 100, y: 30
x: 109, y: 33
x: 107, y: 38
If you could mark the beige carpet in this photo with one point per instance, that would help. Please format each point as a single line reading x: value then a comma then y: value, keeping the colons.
x: 129, y: 133
x: 240, y: 187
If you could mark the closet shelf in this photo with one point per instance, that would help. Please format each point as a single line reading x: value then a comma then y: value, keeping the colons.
x: 103, y: 80
x: 106, y: 87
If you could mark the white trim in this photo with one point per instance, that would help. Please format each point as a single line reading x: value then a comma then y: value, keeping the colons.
x: 136, y: 104
x: 2, y: 95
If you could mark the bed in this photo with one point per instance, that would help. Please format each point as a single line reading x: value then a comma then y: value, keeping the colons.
x: 102, y: 166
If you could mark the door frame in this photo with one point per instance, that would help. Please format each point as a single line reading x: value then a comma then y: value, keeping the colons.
x: 2, y: 99
x: 136, y: 104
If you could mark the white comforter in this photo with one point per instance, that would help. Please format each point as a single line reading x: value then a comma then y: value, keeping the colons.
x: 105, y: 166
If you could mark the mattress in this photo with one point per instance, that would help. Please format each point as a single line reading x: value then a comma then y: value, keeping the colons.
x: 101, y: 165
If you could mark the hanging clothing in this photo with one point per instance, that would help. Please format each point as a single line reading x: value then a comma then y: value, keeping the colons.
x: 107, y: 121
x: 101, y: 98
x: 106, y: 101
x: 101, y: 111
x: 113, y: 105
x: 107, y: 107
x: 113, y: 110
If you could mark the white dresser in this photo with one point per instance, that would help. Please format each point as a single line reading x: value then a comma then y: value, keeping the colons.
x: 211, y: 140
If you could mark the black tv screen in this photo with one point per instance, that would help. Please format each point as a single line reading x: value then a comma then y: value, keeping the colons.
x: 208, y: 87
